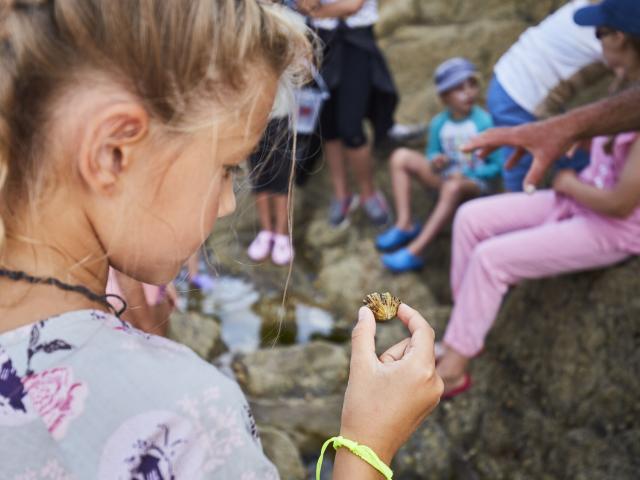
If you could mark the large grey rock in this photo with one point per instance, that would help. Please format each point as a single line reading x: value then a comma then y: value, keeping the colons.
x: 318, y: 368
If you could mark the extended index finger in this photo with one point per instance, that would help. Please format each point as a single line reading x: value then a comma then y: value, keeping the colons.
x: 487, y: 141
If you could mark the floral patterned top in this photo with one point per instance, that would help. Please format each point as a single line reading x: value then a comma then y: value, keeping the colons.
x: 84, y: 395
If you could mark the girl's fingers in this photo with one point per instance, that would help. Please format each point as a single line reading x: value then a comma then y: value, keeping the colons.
x: 395, y: 352
x: 363, y: 344
x: 422, y: 335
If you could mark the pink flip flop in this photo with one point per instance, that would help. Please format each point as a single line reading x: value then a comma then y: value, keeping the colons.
x: 466, y: 385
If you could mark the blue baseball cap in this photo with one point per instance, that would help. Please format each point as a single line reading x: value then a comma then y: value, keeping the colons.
x: 621, y: 15
x: 453, y: 72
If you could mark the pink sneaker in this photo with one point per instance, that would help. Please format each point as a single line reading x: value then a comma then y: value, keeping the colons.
x: 260, y: 248
x: 282, y: 253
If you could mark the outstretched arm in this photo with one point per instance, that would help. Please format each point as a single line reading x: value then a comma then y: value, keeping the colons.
x: 337, y: 9
x: 549, y: 140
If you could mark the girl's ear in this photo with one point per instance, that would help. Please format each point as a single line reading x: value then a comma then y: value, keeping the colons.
x: 106, y: 152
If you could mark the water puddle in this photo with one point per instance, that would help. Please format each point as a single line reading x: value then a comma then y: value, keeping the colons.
x: 251, y: 319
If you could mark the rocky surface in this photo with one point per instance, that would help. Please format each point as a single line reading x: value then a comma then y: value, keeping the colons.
x: 201, y: 334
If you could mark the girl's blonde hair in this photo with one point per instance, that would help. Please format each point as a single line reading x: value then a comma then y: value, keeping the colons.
x: 172, y: 55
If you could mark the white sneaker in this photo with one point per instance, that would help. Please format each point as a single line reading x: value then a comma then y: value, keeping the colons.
x: 260, y: 248
x: 282, y: 252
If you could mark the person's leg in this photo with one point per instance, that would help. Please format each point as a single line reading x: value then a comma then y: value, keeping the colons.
x: 281, y: 214
x: 404, y: 165
x: 487, y: 217
x: 334, y: 154
x: 264, y: 211
x: 452, y: 193
x: 507, y: 113
x: 361, y: 163
x: 576, y: 244
x: 352, y: 102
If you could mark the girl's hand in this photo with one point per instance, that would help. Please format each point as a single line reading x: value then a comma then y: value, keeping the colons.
x: 564, y: 181
x: 388, y: 397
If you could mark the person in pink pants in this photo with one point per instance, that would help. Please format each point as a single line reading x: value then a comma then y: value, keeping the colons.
x: 586, y: 222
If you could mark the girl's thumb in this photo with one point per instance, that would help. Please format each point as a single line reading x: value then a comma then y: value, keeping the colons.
x: 363, y: 344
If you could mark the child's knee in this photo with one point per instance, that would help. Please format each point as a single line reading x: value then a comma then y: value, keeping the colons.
x: 451, y: 189
x: 399, y: 158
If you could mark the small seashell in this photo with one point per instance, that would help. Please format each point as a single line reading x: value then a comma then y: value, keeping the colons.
x: 383, y: 305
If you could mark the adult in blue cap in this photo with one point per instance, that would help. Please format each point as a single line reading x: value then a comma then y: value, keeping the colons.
x: 538, y: 77
x: 617, y: 22
x: 617, y: 25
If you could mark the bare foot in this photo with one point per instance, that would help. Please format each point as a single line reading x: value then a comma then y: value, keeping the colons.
x: 452, y: 368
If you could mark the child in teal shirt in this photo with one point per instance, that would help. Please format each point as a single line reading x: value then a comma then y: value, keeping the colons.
x: 456, y: 175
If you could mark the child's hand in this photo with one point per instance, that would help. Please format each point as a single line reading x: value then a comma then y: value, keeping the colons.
x: 388, y: 397
x: 440, y: 161
x: 307, y: 6
x: 564, y: 180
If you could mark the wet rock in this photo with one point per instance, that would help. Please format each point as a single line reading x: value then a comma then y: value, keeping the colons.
x: 428, y: 455
x: 202, y: 334
x: 281, y: 450
x: 318, y: 368
x: 308, y: 421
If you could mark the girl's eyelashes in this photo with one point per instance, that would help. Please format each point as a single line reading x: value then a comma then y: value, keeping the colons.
x: 232, y: 170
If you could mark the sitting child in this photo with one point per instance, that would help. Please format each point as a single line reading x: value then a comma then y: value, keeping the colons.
x: 456, y: 175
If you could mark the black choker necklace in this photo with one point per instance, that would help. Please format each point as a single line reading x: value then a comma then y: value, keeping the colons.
x: 19, y: 276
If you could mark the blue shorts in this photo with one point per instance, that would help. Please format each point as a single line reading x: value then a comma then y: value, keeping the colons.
x: 456, y: 169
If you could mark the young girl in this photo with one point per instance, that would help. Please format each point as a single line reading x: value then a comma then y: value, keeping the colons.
x: 585, y: 222
x: 122, y: 125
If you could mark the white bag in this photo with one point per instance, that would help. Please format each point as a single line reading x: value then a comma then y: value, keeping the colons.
x: 309, y: 102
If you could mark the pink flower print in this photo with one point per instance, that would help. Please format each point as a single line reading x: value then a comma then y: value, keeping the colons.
x: 56, y: 398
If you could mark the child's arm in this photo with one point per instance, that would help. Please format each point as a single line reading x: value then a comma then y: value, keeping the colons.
x: 338, y: 9
x: 492, y: 164
x: 619, y: 202
x: 434, y: 146
x: 387, y: 397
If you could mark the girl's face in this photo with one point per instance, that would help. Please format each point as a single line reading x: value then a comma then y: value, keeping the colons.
x: 170, y: 201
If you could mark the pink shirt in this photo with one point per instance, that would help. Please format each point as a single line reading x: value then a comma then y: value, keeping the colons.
x: 604, y: 172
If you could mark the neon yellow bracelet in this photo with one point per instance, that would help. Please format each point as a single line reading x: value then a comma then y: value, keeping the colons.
x: 362, y: 451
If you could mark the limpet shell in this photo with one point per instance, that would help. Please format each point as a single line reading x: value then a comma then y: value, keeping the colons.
x: 383, y: 305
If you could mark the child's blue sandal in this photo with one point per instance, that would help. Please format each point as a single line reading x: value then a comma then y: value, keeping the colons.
x: 395, y: 238
x: 402, y: 261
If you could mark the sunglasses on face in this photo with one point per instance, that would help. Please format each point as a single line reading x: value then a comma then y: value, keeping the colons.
x: 603, y: 32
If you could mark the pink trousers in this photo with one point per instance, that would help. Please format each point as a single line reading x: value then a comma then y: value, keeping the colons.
x: 501, y: 240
